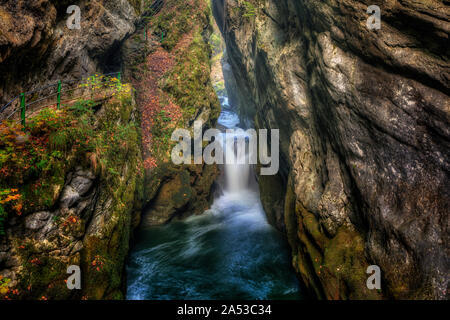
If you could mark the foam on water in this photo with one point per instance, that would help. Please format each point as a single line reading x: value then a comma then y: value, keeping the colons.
x: 229, y: 252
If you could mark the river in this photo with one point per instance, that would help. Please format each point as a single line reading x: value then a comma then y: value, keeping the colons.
x: 229, y: 252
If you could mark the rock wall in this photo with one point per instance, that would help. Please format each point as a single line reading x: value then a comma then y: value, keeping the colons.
x: 96, y: 201
x: 364, y: 124
x: 171, y: 71
x: 88, y: 223
x: 89, y: 220
x: 37, y: 47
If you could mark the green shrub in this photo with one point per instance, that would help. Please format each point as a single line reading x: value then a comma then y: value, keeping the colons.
x: 82, y: 107
x: 249, y: 9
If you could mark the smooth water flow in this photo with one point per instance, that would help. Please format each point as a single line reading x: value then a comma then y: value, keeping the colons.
x: 229, y: 252
x: 237, y: 171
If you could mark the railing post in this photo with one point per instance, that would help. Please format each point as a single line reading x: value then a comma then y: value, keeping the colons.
x: 58, y: 105
x: 22, y: 108
x: 119, y: 77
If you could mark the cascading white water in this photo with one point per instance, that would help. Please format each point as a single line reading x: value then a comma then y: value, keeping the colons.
x: 236, y: 157
x: 237, y: 170
x: 229, y: 252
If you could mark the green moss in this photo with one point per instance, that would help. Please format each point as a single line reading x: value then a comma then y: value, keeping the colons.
x: 136, y: 4
x: 110, y: 145
x: 182, y: 191
x: 4, y: 286
x: 121, y: 192
x: 189, y: 82
x: 345, y: 263
x: 178, y: 19
x: 43, y: 275
x: 332, y: 268
x: 312, y: 227
x: 35, y: 159
x: 219, y: 87
x: 216, y: 42
x: 247, y: 9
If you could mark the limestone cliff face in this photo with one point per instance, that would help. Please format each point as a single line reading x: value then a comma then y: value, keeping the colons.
x: 364, y: 123
x: 94, y: 198
x: 86, y: 220
x: 37, y: 47
x: 170, y: 69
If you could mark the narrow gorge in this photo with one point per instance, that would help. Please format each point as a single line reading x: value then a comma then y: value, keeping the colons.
x: 89, y: 109
x: 364, y: 136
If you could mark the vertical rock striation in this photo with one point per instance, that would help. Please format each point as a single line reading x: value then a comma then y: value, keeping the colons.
x: 364, y: 123
x: 86, y: 222
x: 37, y: 47
x: 94, y: 202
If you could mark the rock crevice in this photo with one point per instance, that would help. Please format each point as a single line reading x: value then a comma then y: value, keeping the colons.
x: 364, y: 124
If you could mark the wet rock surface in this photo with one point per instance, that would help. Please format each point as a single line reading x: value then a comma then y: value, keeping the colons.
x: 42, y: 234
x: 88, y: 224
x: 96, y: 208
x: 364, y: 123
x: 37, y: 47
x: 183, y: 192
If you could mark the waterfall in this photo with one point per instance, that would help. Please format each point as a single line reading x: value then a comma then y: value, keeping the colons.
x: 237, y: 168
x: 236, y: 152
x: 231, y: 245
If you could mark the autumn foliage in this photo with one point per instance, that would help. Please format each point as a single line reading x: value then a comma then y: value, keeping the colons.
x: 173, y: 82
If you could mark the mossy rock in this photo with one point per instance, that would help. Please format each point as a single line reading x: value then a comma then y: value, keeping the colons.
x: 331, y: 268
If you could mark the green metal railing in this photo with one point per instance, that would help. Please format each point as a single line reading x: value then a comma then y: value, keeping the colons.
x: 152, y: 10
x: 21, y: 99
x: 80, y: 84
